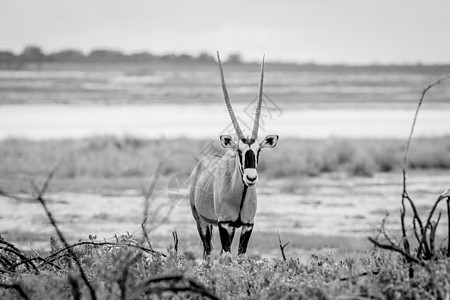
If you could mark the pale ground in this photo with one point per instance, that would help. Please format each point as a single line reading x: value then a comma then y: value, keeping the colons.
x: 312, y: 213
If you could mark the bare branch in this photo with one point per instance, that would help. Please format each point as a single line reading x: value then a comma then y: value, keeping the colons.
x: 20, y: 256
x: 144, y: 231
x: 429, y: 253
x: 60, y: 235
x: 359, y: 275
x: 151, y: 251
x: 76, y: 290
x: 402, y: 221
x: 16, y: 197
x: 149, y: 193
x: 416, y: 234
x: 433, y: 228
x: 405, y: 158
x: 175, y: 240
x: 397, y: 249
x: 282, y: 246
x: 448, y: 226
x: 405, y: 162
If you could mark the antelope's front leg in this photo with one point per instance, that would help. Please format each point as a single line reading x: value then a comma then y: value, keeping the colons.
x: 246, y: 232
x: 226, y: 232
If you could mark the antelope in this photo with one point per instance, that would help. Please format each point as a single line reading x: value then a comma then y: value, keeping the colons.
x: 222, y: 189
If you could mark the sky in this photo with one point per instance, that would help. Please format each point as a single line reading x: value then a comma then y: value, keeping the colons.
x: 320, y: 31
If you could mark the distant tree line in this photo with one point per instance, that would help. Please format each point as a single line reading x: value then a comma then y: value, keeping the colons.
x: 34, y: 54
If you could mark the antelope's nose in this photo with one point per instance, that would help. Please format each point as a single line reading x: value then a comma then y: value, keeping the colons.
x: 251, y: 178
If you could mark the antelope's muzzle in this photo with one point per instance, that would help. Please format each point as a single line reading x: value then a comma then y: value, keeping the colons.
x: 250, y: 176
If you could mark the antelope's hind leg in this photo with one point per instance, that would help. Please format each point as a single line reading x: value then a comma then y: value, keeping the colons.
x: 205, y: 232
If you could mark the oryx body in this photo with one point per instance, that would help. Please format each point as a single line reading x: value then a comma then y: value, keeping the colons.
x: 222, y: 188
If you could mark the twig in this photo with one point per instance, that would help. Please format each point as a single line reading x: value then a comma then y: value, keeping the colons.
x: 360, y: 275
x: 21, y: 256
x: 405, y: 158
x: 416, y: 216
x: 76, y: 291
x: 416, y: 234
x: 175, y: 240
x: 5, y: 261
x: 149, y: 193
x: 430, y: 253
x: 405, y: 162
x: 144, y: 231
x: 402, y: 221
x: 60, y: 235
x: 49, y: 259
x: 122, y: 280
x: 3, y: 271
x: 190, y: 286
x: 434, y: 226
x: 282, y: 246
x: 17, y: 287
x: 448, y: 226
x: 16, y: 198
x: 395, y: 248
x: 35, y: 259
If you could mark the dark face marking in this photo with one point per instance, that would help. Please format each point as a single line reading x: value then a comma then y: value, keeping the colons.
x: 250, y: 159
x: 247, y: 153
x: 248, y: 149
x: 239, y: 151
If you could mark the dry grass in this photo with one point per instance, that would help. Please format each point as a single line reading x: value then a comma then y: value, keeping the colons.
x: 104, y: 159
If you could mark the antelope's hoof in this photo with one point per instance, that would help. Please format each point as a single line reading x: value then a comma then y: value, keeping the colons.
x: 226, y: 258
x: 242, y: 257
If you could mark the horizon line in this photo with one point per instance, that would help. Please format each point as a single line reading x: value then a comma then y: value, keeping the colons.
x: 236, y: 57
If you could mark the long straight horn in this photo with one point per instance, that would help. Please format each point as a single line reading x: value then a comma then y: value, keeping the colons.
x: 228, y: 103
x: 258, y: 106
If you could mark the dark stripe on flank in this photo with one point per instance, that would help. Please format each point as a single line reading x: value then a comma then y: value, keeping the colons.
x: 210, y: 221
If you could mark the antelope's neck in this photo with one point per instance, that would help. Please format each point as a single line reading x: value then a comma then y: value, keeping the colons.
x: 237, y: 183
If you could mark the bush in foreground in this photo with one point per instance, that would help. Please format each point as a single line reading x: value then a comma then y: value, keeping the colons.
x: 124, y: 272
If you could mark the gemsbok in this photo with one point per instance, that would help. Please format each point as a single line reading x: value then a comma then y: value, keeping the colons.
x: 222, y: 188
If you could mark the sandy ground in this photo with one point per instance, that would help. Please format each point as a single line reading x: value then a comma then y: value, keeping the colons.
x: 313, y: 213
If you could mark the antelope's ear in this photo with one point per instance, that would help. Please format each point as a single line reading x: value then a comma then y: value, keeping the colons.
x: 227, y: 141
x: 269, y: 141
